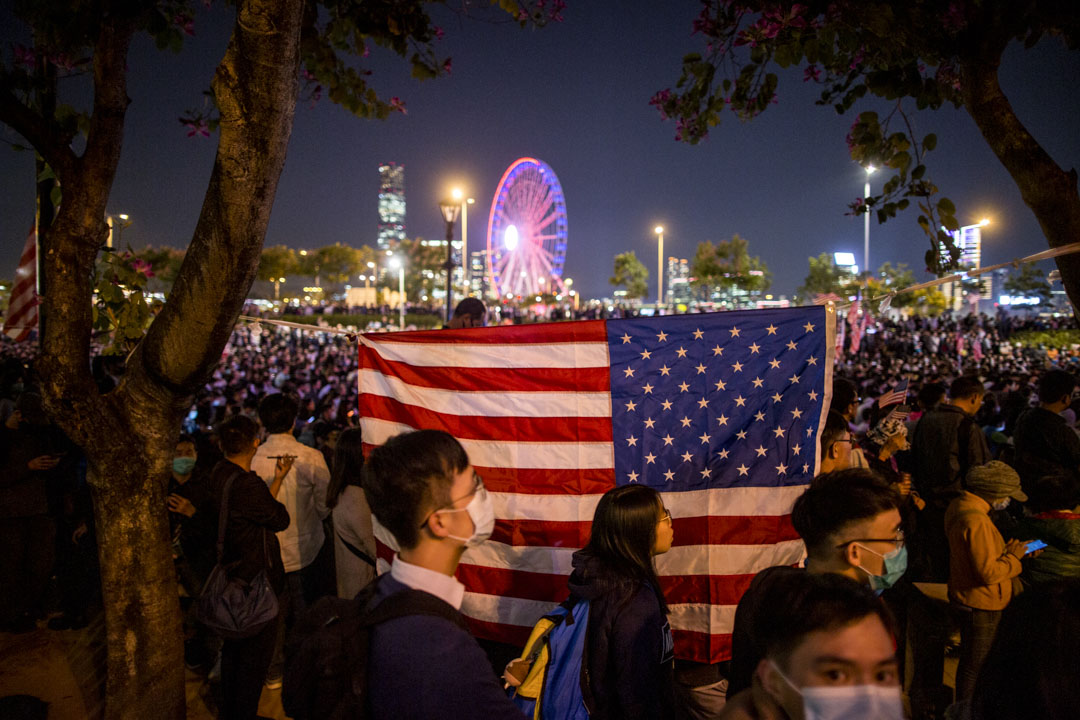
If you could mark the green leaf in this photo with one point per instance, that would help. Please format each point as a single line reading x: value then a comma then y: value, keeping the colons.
x: 946, y: 207
x: 929, y: 142
x: 55, y: 195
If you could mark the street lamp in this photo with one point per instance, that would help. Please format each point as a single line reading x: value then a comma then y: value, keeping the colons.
x: 866, y: 219
x: 465, y: 268
x: 450, y: 209
x: 117, y: 227
x: 659, y: 230
x: 396, y: 264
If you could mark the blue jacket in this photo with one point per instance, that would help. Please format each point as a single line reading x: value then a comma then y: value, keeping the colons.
x: 424, y: 667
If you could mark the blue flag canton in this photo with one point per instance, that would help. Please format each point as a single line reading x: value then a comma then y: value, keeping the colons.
x: 719, y: 399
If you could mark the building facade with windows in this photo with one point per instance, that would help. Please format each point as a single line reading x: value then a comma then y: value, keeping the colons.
x: 391, y: 204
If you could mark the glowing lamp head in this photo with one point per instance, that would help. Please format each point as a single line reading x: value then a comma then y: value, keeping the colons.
x: 870, y: 170
x: 659, y: 229
x: 984, y: 222
x: 395, y: 263
x: 510, y: 238
x: 456, y: 193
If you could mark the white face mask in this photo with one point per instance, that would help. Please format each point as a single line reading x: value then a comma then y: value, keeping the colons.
x: 1002, y: 504
x: 482, y: 515
x: 847, y: 702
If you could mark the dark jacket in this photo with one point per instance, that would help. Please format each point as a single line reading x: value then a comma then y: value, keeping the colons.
x: 629, y: 651
x: 197, y: 534
x: 745, y: 651
x: 421, y: 666
x: 254, y: 517
x: 1061, y: 558
x: 25, y: 492
x: 1044, y: 444
x: 947, y: 443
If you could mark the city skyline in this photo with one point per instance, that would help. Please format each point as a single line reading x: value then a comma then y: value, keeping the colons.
x: 575, y: 95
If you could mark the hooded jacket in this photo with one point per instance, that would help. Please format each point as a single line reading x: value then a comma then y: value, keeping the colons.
x: 629, y: 657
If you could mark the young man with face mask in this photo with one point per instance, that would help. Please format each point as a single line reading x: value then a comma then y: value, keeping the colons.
x: 850, y: 523
x: 981, y: 564
x: 828, y: 653
x: 423, y: 491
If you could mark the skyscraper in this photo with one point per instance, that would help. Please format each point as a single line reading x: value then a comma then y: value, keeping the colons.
x: 391, y: 204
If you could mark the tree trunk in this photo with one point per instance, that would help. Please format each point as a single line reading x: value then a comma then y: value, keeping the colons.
x: 1049, y: 191
x: 129, y: 434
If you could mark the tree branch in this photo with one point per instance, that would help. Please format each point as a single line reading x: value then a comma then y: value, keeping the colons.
x: 40, y: 132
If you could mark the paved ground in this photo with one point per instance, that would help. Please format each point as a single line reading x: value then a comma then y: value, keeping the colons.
x: 65, y: 668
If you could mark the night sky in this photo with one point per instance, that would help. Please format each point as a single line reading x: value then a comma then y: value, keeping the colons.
x: 574, y: 94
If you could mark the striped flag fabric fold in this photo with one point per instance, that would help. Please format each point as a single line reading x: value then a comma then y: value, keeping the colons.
x: 22, y: 313
x: 719, y: 412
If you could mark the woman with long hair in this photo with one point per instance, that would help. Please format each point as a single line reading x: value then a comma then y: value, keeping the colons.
x: 354, y: 539
x: 629, y: 651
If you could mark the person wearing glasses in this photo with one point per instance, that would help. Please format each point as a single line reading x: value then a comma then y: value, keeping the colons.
x: 423, y: 491
x: 629, y: 651
x: 836, y: 444
x: 849, y: 521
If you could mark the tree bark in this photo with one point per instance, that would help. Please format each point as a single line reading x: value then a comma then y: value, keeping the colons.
x: 129, y: 434
x: 1049, y: 191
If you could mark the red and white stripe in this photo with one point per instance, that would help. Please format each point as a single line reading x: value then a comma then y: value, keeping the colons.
x: 22, y: 313
x: 531, y: 405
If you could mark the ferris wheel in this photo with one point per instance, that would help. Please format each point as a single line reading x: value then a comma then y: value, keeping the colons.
x: 526, y: 239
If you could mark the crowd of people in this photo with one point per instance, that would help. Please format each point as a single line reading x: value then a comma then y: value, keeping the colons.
x: 947, y: 453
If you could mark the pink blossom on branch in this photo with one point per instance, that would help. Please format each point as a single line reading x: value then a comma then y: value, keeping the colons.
x: 398, y: 105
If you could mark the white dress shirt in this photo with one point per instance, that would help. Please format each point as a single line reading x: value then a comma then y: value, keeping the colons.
x: 303, y: 493
x: 444, y: 587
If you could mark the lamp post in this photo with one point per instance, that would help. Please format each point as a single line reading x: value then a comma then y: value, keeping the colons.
x: 450, y: 209
x: 659, y: 230
x: 116, y: 227
x: 866, y: 220
x: 396, y: 264
x: 465, y: 266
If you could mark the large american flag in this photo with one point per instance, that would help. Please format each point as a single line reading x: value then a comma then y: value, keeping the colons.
x: 719, y: 412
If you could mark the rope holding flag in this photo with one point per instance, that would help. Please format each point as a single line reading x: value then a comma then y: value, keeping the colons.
x: 22, y: 314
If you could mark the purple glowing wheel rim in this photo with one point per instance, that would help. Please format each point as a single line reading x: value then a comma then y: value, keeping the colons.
x: 526, y: 238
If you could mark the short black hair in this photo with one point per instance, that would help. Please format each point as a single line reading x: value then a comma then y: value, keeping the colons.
x: 236, y: 434
x: 473, y: 307
x: 411, y: 475
x: 844, y: 393
x: 837, y: 499
x: 930, y: 395
x: 966, y: 386
x: 1054, y: 384
x: 185, y: 438
x: 277, y: 412
x: 810, y: 602
x: 1056, y: 491
x: 835, y: 427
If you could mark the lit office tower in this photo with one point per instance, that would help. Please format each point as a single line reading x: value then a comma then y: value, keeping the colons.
x: 391, y: 204
x: 678, y: 289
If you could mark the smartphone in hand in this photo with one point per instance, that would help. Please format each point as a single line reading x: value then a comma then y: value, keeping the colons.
x: 1034, y: 545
